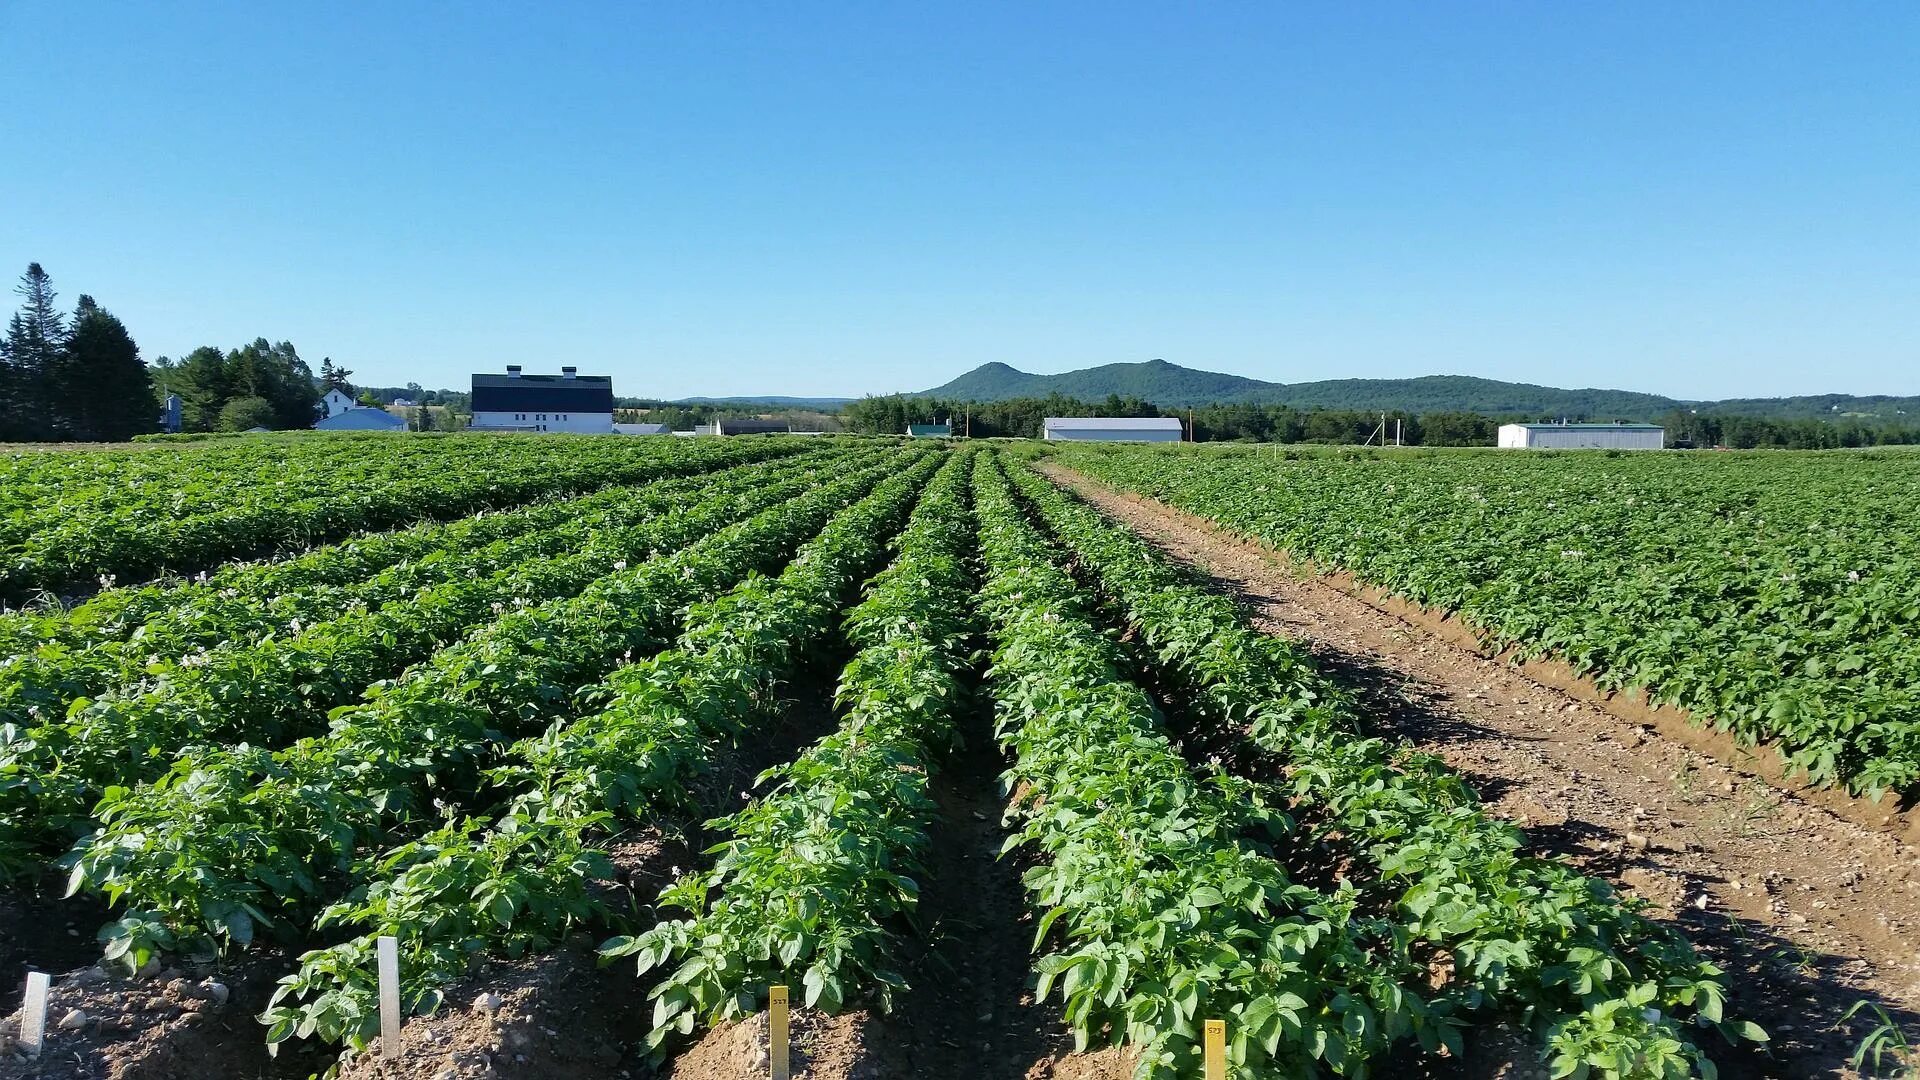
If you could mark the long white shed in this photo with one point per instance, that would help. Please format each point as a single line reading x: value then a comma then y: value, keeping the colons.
x: 1582, y: 437
x: 1113, y: 428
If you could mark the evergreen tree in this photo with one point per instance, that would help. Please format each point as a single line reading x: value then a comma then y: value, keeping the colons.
x: 36, y: 335
x: 200, y: 378
x: 276, y: 374
x: 334, y: 377
x: 99, y: 390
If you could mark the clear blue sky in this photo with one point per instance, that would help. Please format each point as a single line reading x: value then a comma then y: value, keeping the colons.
x: 1700, y: 199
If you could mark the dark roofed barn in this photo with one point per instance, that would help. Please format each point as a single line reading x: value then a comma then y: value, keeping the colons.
x: 568, y: 401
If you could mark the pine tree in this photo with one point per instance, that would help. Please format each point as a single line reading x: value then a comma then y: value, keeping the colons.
x: 201, y: 380
x: 36, y: 335
x: 334, y: 377
x: 100, y: 389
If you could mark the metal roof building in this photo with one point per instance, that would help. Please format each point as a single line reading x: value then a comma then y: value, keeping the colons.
x: 750, y: 427
x: 930, y: 431
x: 1582, y: 437
x: 568, y: 401
x: 361, y: 418
x: 1113, y: 428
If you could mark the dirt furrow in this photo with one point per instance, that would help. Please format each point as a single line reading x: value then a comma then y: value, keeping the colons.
x: 1808, y: 912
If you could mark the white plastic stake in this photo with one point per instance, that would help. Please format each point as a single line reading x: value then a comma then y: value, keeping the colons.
x: 389, y: 962
x: 777, y: 1032
x: 33, y: 1014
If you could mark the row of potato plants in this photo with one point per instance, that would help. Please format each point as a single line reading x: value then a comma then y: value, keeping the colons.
x: 815, y: 881
x: 522, y: 879
x: 86, y: 545
x: 1159, y: 901
x: 38, y: 489
x: 268, y: 690
x: 202, y: 628
x: 186, y: 481
x: 236, y: 838
x: 100, y: 472
x: 115, y: 614
x: 1521, y: 939
x: 1775, y: 596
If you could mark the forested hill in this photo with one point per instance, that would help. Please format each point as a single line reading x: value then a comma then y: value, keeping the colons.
x: 1156, y: 381
x: 1173, y: 386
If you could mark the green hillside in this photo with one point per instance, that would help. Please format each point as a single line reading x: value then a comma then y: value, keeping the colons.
x: 1173, y: 386
x: 1155, y: 380
x: 1464, y: 393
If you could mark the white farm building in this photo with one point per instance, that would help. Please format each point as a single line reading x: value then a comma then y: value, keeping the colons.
x: 569, y: 401
x: 1112, y: 428
x: 1582, y: 437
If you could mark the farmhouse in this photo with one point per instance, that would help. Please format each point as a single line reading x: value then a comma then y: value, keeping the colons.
x: 1112, y: 428
x: 569, y: 401
x: 1582, y: 437
x: 337, y: 401
x: 360, y: 418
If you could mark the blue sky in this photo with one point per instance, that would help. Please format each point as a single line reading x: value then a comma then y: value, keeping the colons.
x: 1703, y: 199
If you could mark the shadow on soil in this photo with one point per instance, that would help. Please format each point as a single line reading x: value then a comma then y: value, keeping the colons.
x: 970, y: 1013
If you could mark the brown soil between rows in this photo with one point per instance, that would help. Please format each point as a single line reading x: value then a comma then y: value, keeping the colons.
x: 969, y: 1012
x: 1808, y: 912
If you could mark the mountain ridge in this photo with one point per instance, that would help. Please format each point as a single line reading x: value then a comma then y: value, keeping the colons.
x: 1174, y: 386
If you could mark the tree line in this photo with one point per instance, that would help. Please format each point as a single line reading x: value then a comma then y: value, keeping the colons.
x: 79, y: 377
x: 1021, y: 418
x: 1768, y: 433
x: 257, y: 385
x: 71, y: 377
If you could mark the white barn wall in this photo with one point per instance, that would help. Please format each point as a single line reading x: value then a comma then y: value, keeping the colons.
x: 1581, y: 437
x: 574, y: 423
x: 1136, y: 435
x: 1112, y: 429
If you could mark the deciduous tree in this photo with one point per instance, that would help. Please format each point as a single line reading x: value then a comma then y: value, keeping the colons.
x: 246, y: 413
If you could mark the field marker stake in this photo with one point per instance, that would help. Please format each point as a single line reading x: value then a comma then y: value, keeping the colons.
x: 777, y: 1031
x: 1216, y: 1050
x: 389, y: 964
x: 33, y: 1013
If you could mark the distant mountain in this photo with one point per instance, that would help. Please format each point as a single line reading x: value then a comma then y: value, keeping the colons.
x: 1156, y: 381
x: 1173, y: 386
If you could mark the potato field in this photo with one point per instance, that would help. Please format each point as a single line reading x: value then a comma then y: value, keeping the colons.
x: 613, y: 735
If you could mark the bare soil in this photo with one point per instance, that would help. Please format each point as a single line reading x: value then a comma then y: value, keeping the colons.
x: 970, y: 1011
x: 819, y: 1047
x: 186, y: 1023
x: 555, y: 1017
x: 41, y: 931
x: 1808, y: 911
